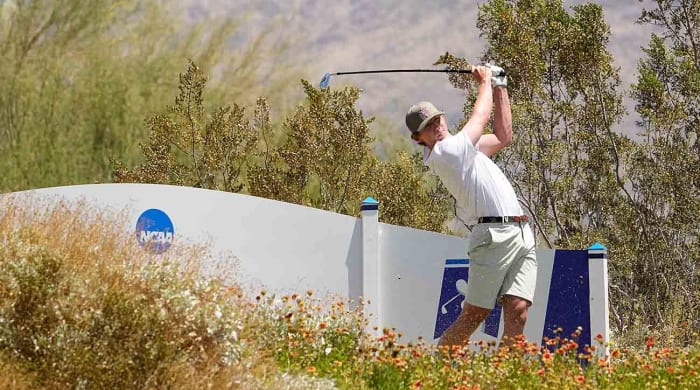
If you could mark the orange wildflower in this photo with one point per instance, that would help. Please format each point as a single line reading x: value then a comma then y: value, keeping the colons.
x: 400, y: 363
x: 580, y: 379
x: 547, y: 356
x: 311, y: 369
x: 650, y: 342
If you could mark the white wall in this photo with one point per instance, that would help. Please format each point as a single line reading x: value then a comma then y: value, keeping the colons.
x: 411, y: 273
x: 281, y: 246
x: 403, y: 272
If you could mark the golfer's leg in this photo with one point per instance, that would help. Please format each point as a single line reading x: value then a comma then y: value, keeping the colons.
x: 459, y: 332
x: 514, y: 316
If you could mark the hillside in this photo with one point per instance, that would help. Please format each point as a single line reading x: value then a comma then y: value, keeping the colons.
x: 363, y: 34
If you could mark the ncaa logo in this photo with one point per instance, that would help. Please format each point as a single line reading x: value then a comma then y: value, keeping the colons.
x: 154, y: 231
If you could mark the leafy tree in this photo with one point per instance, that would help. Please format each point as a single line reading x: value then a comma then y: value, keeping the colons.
x: 326, y: 152
x: 409, y: 196
x: 663, y: 170
x: 77, y: 77
x: 188, y: 147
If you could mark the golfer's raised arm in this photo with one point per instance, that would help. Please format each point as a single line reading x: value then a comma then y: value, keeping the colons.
x: 482, y: 107
x: 502, y: 120
x: 502, y: 135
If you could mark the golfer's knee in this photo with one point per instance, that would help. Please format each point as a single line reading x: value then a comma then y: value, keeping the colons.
x: 516, y: 308
x: 520, y: 316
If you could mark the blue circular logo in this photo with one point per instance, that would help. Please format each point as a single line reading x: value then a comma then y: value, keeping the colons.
x: 154, y: 231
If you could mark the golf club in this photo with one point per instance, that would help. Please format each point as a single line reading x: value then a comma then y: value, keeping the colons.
x: 461, y: 292
x: 325, y: 81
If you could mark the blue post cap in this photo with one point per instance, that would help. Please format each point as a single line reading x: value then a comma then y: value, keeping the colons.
x: 597, y: 247
x: 369, y: 204
x: 370, y: 200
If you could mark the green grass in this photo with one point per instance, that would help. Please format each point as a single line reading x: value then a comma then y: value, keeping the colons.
x: 81, y: 307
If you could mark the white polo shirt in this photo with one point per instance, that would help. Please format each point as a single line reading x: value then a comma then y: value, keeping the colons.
x: 477, y: 183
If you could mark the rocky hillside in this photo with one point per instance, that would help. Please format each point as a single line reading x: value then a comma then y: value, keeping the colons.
x: 346, y: 35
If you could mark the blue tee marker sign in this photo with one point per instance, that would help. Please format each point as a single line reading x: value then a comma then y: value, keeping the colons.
x: 452, y: 294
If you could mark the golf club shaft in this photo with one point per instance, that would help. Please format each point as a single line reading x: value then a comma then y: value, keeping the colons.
x: 409, y: 71
x: 325, y: 81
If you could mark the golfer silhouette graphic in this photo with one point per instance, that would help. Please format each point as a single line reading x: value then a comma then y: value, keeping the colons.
x: 461, y: 285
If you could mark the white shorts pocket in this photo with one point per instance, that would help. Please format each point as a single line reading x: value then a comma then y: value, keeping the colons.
x: 479, y: 239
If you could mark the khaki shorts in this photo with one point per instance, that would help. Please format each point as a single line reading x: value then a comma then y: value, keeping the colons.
x: 501, y: 262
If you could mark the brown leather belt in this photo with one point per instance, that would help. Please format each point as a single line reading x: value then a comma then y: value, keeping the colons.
x: 515, y: 218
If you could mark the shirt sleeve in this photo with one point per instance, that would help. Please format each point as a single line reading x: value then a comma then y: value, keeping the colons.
x: 462, y: 146
x: 452, y: 153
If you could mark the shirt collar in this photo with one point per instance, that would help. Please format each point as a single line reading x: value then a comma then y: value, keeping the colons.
x: 426, y: 154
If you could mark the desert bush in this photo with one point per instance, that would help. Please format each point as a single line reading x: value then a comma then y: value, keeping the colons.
x: 81, y: 307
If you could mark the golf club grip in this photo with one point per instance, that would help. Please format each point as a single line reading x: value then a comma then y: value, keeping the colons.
x: 413, y: 70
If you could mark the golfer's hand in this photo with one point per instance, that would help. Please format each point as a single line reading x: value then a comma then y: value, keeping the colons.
x: 481, y: 74
x: 497, y: 81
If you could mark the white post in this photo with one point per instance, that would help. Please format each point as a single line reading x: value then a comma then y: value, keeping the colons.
x: 598, y: 285
x: 370, y: 263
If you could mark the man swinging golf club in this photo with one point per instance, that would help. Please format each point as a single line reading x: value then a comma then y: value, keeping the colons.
x: 501, y: 247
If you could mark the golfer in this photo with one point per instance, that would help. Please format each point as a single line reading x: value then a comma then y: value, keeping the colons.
x: 501, y: 249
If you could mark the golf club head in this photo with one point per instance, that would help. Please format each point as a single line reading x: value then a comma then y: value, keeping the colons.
x: 325, y: 81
